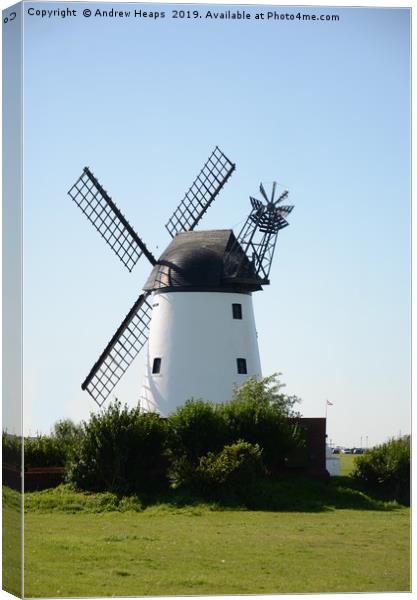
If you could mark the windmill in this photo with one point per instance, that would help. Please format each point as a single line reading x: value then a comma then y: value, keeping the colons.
x: 196, y: 310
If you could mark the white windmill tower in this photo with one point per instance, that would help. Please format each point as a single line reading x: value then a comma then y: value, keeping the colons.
x: 196, y: 308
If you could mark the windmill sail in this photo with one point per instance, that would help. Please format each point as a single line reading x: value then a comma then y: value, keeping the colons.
x: 201, y: 194
x: 111, y: 224
x: 120, y: 352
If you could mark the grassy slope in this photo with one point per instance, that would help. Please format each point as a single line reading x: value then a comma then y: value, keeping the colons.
x: 168, y: 549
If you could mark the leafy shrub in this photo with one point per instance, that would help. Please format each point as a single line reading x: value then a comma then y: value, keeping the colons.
x: 387, y: 467
x: 258, y: 414
x: 44, y: 451
x: 196, y: 428
x: 125, y: 451
x: 55, y: 450
x: 121, y: 451
x: 235, y: 467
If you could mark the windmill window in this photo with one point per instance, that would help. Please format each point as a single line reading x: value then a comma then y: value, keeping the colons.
x: 241, y: 366
x: 156, y: 367
x: 237, y: 311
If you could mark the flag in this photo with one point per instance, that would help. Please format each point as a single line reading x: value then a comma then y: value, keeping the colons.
x: 329, y: 403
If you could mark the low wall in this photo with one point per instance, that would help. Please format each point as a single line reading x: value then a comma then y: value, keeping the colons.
x: 39, y: 478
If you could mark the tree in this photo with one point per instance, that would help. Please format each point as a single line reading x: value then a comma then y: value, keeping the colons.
x: 258, y: 414
x: 268, y: 391
x: 66, y: 430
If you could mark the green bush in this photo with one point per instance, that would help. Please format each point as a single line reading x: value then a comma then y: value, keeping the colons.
x: 120, y: 451
x: 232, y: 469
x: 124, y: 451
x: 387, y: 467
x: 44, y: 451
x: 54, y: 450
x: 196, y: 428
x: 258, y: 414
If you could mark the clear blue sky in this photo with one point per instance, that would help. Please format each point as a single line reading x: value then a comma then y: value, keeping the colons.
x: 323, y: 108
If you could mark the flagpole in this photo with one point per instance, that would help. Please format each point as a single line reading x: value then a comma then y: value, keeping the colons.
x: 325, y: 414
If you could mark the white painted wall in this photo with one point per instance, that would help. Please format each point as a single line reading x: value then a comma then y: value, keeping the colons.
x: 332, y: 463
x: 198, y: 341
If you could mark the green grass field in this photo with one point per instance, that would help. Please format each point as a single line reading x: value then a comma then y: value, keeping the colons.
x: 340, y: 541
x: 199, y: 551
x: 347, y: 463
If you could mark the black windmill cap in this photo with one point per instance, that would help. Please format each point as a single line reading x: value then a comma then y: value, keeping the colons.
x: 203, y: 261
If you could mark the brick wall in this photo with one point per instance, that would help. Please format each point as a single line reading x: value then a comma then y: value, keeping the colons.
x: 310, y: 460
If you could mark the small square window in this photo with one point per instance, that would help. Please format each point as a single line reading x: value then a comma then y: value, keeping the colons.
x: 156, y: 367
x: 237, y: 311
x: 241, y: 366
